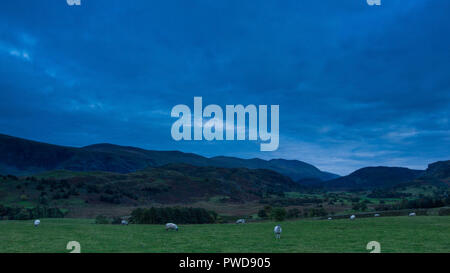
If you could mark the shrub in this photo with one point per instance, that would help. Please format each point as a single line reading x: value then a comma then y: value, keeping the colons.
x: 43, y: 199
x: 21, y: 213
x: 278, y: 214
x: 107, y: 198
x: 361, y: 206
x: 267, y: 209
x: 444, y: 211
x: 13, y: 177
x: 93, y: 189
x: 315, y: 212
x: 102, y: 220
x: 176, y: 215
x: 262, y: 213
x: 116, y: 221
x: 293, y: 213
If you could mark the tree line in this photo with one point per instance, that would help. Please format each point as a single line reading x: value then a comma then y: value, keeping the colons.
x: 173, y: 214
x: 21, y: 213
x: 419, y: 203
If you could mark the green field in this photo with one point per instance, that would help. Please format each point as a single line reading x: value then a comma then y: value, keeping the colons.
x: 395, y: 234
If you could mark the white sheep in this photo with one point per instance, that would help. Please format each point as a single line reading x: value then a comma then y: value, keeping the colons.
x: 376, y: 215
x: 240, y: 221
x: 277, y: 230
x: 352, y: 217
x: 412, y: 214
x: 37, y: 222
x: 171, y: 226
x: 329, y: 218
x: 124, y: 222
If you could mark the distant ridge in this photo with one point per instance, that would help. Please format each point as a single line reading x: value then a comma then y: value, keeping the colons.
x: 373, y: 178
x: 437, y: 173
x: 20, y: 156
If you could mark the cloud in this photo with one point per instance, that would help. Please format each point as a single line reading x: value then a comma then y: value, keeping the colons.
x: 20, y: 54
x: 356, y: 85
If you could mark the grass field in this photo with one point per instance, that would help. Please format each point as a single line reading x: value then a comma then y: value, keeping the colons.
x: 395, y: 234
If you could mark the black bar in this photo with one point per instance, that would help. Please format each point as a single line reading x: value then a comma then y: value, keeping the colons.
x: 171, y: 262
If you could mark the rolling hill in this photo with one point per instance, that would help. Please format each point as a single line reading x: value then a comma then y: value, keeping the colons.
x: 373, y: 178
x: 24, y: 157
x: 172, y: 183
x: 437, y: 173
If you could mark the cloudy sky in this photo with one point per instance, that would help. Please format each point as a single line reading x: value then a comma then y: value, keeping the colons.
x: 357, y: 85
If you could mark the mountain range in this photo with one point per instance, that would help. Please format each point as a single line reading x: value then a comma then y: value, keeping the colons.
x: 25, y: 157
x: 381, y: 177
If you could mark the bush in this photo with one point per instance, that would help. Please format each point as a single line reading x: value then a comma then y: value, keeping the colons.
x: 267, y: 209
x: 43, y: 199
x: 315, y: 212
x: 293, y: 213
x: 175, y: 215
x: 427, y: 202
x: 361, y: 206
x: 108, y: 198
x: 13, y: 177
x: 102, y: 220
x: 444, y: 211
x: 278, y: 214
x: 21, y: 213
x: 93, y: 189
x: 116, y: 221
x: 262, y: 213
x: 278, y: 201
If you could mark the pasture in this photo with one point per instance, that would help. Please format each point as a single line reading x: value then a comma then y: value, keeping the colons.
x: 395, y: 234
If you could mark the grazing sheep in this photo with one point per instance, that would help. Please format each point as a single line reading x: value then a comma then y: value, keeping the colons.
x: 329, y: 218
x: 352, y: 217
x: 171, y: 226
x: 240, y: 221
x: 412, y: 214
x: 277, y: 231
x: 37, y: 222
x: 124, y: 222
x: 376, y: 215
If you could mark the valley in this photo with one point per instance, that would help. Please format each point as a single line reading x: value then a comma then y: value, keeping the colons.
x: 111, y: 180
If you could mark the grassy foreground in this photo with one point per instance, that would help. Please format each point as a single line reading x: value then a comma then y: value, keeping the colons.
x: 395, y: 234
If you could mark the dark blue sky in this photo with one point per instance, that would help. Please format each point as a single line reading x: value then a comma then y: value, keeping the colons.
x: 357, y: 85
